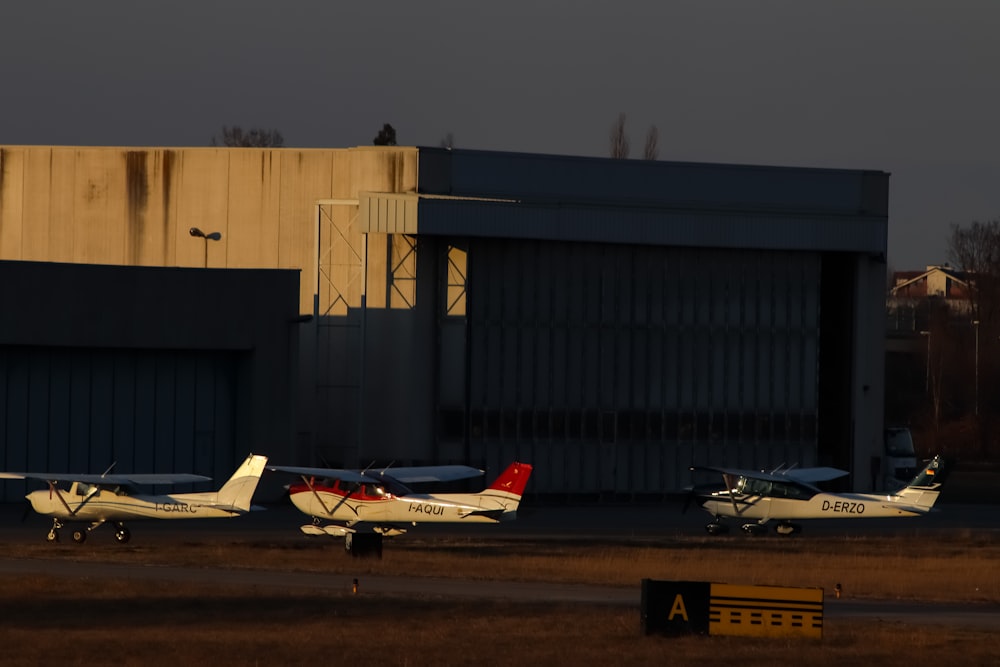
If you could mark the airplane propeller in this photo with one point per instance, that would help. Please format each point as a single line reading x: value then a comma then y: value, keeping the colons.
x: 27, y: 510
x: 692, y: 493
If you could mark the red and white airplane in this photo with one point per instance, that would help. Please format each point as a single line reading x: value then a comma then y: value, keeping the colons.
x: 363, y: 506
x: 109, y: 498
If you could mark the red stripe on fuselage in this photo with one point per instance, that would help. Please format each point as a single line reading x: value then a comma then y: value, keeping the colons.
x: 362, y: 493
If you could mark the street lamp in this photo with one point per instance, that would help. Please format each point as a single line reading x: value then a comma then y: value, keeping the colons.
x: 975, y: 323
x: 927, y: 380
x: 212, y: 236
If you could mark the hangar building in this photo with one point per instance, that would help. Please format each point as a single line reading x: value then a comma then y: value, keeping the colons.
x: 610, y: 321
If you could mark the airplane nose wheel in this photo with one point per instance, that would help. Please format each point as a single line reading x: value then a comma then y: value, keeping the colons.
x: 53, y: 535
x: 716, y: 528
x: 79, y: 535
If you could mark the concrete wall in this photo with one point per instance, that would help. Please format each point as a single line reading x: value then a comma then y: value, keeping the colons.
x: 134, y: 206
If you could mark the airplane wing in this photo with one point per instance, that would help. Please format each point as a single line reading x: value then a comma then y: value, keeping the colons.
x: 812, y: 475
x: 138, y: 478
x: 419, y: 474
x: 807, y: 475
x: 331, y: 473
x: 735, y: 472
x: 406, y: 475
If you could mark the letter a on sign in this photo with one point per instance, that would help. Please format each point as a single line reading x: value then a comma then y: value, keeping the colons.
x: 678, y: 609
x: 673, y: 608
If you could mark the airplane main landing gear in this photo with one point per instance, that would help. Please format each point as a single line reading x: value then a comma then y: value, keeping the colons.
x: 754, y: 529
x: 79, y: 535
x: 786, y: 528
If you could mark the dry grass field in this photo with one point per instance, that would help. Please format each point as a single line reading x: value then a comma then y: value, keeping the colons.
x: 60, y: 621
x: 54, y: 622
x: 959, y: 567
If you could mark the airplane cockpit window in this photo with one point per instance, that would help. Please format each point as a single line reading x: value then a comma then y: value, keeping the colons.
x: 83, y: 489
x: 372, y: 490
x: 754, y: 487
x: 394, y: 486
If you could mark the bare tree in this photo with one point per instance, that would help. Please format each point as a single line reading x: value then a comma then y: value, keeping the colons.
x: 386, y: 136
x: 975, y: 250
x: 619, y: 140
x: 651, y: 150
x: 255, y: 137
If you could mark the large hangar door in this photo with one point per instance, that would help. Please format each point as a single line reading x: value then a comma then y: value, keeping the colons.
x: 80, y: 410
x: 614, y: 368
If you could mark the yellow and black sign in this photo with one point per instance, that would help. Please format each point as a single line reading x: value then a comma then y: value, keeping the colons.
x: 684, y: 607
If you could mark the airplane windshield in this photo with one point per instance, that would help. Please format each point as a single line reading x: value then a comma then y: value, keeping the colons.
x: 393, y: 486
x: 777, y: 489
x: 754, y: 487
x: 373, y: 490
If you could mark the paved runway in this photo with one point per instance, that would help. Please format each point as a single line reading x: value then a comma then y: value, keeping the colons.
x: 965, y: 615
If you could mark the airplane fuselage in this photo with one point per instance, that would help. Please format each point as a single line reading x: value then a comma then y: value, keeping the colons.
x: 323, y: 503
x: 106, y: 505
x: 819, y: 506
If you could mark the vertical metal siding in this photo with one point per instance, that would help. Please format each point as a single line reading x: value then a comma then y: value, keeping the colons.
x: 620, y: 366
x: 80, y: 410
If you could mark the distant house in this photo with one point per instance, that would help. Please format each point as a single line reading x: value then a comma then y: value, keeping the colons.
x: 940, y: 281
x: 913, y: 294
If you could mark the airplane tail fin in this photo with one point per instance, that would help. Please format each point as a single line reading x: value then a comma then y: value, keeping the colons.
x: 924, y: 489
x: 509, y: 486
x: 238, y: 491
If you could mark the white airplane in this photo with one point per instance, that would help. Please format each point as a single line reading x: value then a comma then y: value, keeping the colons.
x: 787, y: 494
x: 366, y: 505
x: 98, y: 499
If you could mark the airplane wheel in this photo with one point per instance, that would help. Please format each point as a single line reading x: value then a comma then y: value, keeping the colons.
x: 79, y: 535
x: 786, y: 529
x: 717, y: 529
x: 122, y: 535
x: 53, y: 536
x: 754, y: 529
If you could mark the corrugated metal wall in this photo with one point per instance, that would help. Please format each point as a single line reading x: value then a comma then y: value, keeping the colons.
x: 614, y: 368
x: 80, y: 410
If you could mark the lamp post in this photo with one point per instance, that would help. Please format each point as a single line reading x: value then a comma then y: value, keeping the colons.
x: 212, y: 236
x: 927, y: 378
x: 975, y: 323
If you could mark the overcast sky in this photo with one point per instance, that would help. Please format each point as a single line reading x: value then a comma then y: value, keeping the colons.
x: 911, y: 87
